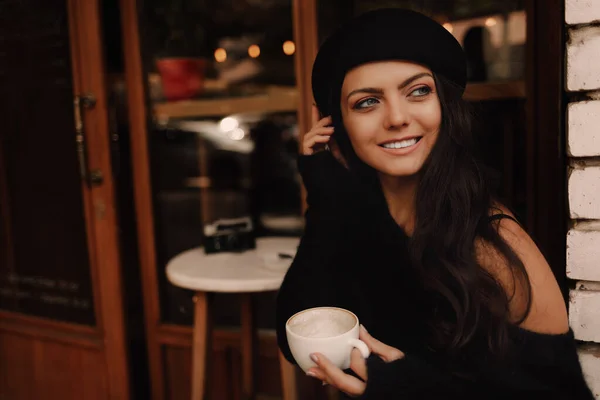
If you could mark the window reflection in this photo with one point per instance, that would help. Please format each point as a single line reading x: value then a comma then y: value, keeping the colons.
x: 492, y: 32
x: 224, y: 140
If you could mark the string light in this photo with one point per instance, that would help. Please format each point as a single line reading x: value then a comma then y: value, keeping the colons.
x: 289, y: 47
x: 490, y: 22
x: 220, y: 55
x: 254, y: 51
x: 228, y: 124
x: 237, y: 134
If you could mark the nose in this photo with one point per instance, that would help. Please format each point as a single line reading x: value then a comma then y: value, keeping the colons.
x: 397, y: 115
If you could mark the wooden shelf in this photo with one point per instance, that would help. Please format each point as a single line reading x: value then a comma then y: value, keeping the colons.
x: 274, y: 99
x: 495, y: 91
x: 282, y: 99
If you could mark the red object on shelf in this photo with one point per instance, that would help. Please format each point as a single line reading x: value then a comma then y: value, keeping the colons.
x: 182, y: 78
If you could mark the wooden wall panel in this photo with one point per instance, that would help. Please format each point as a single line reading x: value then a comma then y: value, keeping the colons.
x: 225, y: 373
x: 33, y: 368
x: 16, y: 356
x: 226, y: 367
x: 178, y: 368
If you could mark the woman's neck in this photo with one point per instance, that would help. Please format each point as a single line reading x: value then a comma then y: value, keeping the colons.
x: 400, y: 195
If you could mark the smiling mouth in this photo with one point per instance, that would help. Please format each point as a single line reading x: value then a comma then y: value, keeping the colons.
x: 401, y: 144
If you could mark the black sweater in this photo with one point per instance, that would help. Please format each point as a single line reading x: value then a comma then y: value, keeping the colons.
x: 353, y: 255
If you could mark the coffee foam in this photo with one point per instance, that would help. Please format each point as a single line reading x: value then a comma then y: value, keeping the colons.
x: 322, y: 323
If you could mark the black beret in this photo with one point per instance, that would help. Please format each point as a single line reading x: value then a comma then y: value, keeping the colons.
x: 380, y: 35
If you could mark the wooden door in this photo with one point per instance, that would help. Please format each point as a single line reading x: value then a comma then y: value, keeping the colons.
x: 61, y: 316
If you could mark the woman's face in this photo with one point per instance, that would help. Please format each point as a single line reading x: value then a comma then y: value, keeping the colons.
x: 392, y: 114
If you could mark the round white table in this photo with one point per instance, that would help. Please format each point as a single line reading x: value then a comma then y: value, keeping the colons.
x: 258, y: 270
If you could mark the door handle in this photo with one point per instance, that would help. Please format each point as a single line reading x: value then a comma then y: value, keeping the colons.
x: 93, y: 177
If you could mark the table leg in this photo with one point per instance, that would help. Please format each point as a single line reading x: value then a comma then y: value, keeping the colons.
x: 248, y: 346
x: 201, y: 346
x: 288, y: 378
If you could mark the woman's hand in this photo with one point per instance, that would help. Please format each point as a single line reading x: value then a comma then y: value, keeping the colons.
x: 319, y: 135
x: 332, y: 375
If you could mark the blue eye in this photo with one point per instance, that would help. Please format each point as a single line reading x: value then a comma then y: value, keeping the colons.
x: 366, y: 103
x: 420, y: 92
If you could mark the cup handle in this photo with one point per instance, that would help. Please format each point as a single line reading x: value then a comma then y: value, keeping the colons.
x: 361, y: 346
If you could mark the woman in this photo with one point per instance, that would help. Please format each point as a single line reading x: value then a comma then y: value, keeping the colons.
x: 402, y: 230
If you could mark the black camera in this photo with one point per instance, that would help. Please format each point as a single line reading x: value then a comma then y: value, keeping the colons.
x: 229, y: 235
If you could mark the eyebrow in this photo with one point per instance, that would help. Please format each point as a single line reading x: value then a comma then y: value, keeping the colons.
x: 371, y: 90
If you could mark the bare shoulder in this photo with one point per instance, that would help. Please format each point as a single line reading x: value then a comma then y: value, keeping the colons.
x: 548, y: 312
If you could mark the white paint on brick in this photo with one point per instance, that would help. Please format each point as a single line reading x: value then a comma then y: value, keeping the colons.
x: 589, y: 357
x: 583, y: 135
x: 584, y: 315
x: 582, y: 11
x: 583, y: 254
x: 584, y: 193
x: 583, y: 140
x: 583, y: 59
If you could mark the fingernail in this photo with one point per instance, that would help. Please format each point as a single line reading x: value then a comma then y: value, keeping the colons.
x: 310, y: 373
x: 314, y: 358
x: 363, y: 328
x: 324, y: 383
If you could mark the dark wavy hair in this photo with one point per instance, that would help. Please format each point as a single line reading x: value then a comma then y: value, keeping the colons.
x: 454, y: 202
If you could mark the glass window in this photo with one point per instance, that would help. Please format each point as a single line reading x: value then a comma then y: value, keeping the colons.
x: 492, y: 32
x: 224, y: 138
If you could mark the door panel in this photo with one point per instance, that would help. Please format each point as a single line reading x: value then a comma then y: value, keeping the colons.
x: 42, y: 205
x: 58, y: 232
x: 57, y: 370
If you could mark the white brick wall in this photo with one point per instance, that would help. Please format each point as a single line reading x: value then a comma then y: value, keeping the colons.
x: 584, y: 192
x: 583, y: 135
x: 581, y: 11
x: 583, y: 59
x: 583, y: 252
x: 590, y: 362
x: 583, y: 147
x: 584, y: 314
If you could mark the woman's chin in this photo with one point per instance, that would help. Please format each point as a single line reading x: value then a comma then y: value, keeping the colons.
x: 399, y: 171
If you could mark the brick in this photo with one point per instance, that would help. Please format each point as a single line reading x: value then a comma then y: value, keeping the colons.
x: 584, y: 314
x: 583, y: 59
x: 589, y: 357
x: 583, y: 252
x: 584, y: 192
x: 581, y: 11
x: 583, y: 135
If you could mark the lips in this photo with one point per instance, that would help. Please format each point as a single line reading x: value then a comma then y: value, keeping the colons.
x: 400, y: 143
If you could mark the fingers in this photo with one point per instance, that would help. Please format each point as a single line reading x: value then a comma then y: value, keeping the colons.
x: 358, y: 364
x: 387, y: 353
x: 320, y: 127
x: 316, y: 135
x: 311, y: 140
x: 316, y: 119
x: 323, y: 123
x: 327, y: 372
x: 325, y: 130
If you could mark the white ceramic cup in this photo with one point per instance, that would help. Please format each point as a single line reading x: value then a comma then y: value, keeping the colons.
x: 330, y: 331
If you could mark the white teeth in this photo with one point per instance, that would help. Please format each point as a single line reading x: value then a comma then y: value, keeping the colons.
x: 400, y: 145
